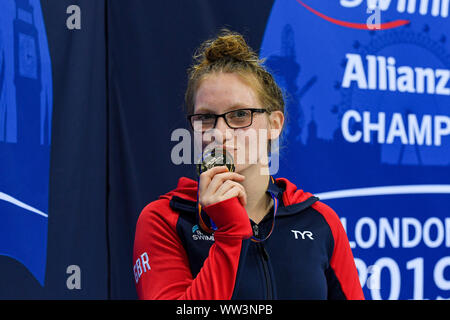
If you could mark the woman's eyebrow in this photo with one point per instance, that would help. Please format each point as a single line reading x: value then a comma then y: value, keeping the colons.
x: 203, y: 110
x: 237, y: 106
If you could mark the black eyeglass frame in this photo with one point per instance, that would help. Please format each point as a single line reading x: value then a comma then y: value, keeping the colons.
x: 223, y: 115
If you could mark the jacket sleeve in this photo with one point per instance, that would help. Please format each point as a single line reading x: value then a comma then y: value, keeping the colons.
x: 342, y: 275
x: 161, y: 266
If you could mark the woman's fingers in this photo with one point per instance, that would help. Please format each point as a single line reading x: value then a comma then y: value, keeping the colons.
x: 236, y: 191
x: 207, y: 176
x: 220, y: 178
x: 216, y: 184
x: 227, y: 185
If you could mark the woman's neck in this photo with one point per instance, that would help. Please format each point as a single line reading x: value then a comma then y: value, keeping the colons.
x: 256, y: 184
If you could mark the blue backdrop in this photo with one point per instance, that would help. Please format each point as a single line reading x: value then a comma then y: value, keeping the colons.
x: 368, y: 99
x: 86, y: 118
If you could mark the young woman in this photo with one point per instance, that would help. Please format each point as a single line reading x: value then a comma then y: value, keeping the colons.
x: 216, y: 238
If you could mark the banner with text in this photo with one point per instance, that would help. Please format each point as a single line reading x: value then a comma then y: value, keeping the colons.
x: 368, y: 105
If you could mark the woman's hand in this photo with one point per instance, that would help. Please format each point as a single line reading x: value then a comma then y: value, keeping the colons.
x: 218, y: 184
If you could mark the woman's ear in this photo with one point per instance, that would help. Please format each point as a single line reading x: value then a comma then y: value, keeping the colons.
x: 276, y: 121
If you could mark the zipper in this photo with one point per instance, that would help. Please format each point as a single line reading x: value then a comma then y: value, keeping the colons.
x: 265, y: 261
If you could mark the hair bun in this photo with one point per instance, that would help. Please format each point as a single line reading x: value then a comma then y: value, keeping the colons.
x: 228, y: 52
x: 228, y: 45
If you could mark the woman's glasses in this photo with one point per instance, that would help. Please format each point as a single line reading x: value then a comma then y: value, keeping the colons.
x: 236, y: 119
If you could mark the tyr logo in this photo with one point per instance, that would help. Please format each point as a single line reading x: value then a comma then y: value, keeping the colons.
x: 302, y: 234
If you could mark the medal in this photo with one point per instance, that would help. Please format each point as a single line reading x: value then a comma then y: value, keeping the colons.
x: 215, y: 157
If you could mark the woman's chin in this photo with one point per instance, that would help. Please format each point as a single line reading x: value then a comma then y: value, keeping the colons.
x: 238, y: 168
x: 242, y: 168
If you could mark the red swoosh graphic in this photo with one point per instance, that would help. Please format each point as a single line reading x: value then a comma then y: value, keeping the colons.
x: 362, y: 26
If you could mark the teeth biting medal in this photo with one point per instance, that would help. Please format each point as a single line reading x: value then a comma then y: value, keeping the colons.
x: 215, y: 157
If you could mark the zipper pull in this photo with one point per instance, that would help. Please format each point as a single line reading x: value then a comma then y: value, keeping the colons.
x: 255, y: 230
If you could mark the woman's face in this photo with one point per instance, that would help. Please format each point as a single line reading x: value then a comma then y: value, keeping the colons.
x: 222, y: 92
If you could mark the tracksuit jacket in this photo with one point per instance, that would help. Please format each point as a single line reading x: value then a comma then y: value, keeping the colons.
x: 307, y: 256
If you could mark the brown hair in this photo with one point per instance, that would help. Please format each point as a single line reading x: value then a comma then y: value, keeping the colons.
x: 229, y: 52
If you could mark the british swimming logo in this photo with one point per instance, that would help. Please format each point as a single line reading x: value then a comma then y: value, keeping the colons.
x: 197, y: 234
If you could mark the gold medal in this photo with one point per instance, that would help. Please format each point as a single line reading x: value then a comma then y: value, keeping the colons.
x: 215, y: 157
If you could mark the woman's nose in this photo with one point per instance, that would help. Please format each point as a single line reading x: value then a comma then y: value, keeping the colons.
x: 225, y: 131
x: 221, y: 124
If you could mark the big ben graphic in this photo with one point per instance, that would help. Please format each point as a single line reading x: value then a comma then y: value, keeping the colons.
x: 27, y: 79
x: 25, y: 119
